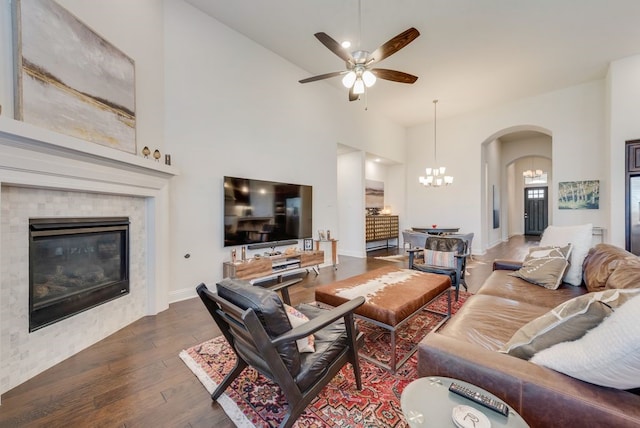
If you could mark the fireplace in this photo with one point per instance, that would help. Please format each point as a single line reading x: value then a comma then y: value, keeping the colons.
x: 75, y: 264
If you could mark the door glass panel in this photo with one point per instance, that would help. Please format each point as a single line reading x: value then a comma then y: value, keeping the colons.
x: 634, y: 220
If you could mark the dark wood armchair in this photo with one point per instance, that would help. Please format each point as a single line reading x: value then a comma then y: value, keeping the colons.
x: 255, y: 323
x: 445, y: 256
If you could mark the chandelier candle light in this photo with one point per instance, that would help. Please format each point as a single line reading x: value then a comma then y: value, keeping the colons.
x: 532, y: 173
x: 435, y: 176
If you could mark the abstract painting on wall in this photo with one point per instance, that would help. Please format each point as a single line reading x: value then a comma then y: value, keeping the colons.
x: 374, y: 194
x: 576, y: 195
x: 69, y: 79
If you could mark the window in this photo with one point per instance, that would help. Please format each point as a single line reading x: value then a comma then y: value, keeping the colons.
x: 535, y: 193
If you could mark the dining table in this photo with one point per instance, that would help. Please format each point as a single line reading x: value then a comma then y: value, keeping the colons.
x: 436, y: 230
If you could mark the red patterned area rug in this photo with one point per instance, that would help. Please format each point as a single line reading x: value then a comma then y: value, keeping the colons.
x: 254, y: 401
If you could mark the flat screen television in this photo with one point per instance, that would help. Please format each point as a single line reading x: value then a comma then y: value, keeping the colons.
x: 258, y: 211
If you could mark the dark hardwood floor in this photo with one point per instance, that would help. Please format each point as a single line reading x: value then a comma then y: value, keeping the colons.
x: 134, y: 378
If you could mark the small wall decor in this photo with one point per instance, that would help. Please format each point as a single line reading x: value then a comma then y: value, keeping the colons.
x: 308, y: 244
x: 374, y: 194
x: 576, y: 195
x: 71, y: 80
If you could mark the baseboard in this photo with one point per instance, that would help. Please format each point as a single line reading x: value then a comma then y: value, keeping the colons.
x: 182, y: 294
x: 352, y: 254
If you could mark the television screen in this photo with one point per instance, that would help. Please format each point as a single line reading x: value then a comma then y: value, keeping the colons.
x: 265, y: 211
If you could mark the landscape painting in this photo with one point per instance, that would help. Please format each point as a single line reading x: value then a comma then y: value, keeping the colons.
x: 374, y: 194
x: 71, y: 80
x: 575, y: 195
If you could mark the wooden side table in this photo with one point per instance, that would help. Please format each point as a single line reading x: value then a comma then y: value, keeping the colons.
x: 334, y: 250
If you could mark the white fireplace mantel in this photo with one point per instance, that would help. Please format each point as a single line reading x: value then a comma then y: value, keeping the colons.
x: 36, y: 157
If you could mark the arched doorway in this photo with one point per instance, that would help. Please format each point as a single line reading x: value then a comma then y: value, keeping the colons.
x: 505, y: 156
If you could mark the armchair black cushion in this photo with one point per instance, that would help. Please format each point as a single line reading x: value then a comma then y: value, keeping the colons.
x: 254, y: 322
x: 457, y: 246
x: 268, y: 307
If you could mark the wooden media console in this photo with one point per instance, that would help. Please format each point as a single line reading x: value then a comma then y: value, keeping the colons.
x: 262, y: 268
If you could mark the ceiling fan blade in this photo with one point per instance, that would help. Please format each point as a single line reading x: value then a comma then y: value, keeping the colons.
x: 394, y: 45
x: 393, y: 75
x: 334, y: 47
x: 352, y: 95
x: 322, y: 76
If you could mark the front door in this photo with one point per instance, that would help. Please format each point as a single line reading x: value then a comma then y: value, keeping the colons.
x: 536, y: 210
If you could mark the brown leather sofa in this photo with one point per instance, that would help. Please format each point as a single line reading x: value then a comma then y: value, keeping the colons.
x: 467, y: 346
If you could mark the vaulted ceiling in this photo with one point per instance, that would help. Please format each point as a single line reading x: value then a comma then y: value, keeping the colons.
x: 471, y: 54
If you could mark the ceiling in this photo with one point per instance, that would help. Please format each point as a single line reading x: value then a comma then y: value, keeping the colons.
x: 471, y: 54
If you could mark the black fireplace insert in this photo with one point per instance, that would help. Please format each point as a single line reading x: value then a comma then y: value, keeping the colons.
x: 75, y: 264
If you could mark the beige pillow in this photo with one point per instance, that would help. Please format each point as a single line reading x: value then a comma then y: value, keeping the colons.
x: 545, y: 266
x: 567, y: 321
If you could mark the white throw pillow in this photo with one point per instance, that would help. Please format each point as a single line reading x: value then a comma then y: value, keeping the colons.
x: 297, y: 318
x: 580, y: 237
x: 608, y: 355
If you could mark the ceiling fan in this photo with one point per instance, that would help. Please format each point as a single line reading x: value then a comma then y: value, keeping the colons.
x: 359, y: 73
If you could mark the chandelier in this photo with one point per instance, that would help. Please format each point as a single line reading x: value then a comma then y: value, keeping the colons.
x: 532, y: 173
x: 435, y: 176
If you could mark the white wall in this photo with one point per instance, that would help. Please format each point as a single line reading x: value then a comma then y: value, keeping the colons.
x: 351, y: 210
x: 234, y: 108
x: 575, y: 117
x: 494, y: 189
x: 624, y: 101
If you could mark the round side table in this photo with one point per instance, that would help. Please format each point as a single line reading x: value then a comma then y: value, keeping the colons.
x: 427, y: 402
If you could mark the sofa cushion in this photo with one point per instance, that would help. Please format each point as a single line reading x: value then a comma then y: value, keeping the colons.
x: 603, y: 260
x: 545, y: 266
x: 490, y: 321
x: 626, y: 274
x: 608, y: 355
x: 501, y: 284
x: 580, y: 237
x: 568, y: 321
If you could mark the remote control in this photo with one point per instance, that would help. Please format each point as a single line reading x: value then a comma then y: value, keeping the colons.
x: 484, y: 400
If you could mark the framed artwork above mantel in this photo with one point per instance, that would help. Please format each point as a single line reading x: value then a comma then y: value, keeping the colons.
x: 71, y: 80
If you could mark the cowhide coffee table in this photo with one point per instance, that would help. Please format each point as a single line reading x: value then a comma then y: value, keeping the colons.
x: 393, y: 297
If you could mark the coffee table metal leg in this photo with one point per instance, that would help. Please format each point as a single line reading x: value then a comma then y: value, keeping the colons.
x: 393, y: 351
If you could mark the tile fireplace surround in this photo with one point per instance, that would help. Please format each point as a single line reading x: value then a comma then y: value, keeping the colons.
x: 45, y: 174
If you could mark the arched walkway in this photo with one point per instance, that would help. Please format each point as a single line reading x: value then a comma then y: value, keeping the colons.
x: 505, y: 154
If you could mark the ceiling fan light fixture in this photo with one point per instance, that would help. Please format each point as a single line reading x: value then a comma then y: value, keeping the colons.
x: 358, y: 87
x: 369, y: 78
x: 349, y: 79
